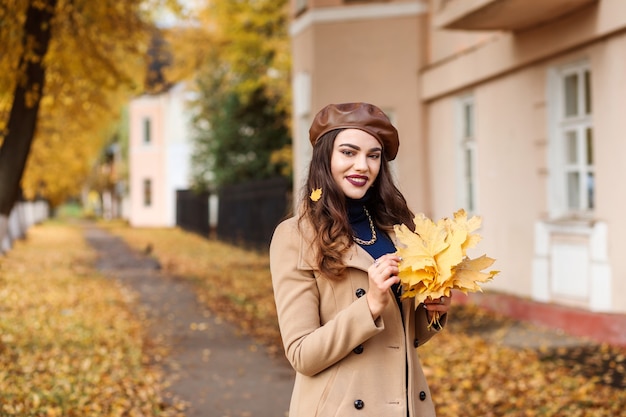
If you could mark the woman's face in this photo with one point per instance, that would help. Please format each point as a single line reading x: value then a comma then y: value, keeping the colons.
x: 355, y: 161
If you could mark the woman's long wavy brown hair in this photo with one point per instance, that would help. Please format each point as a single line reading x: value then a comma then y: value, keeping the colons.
x: 328, y: 215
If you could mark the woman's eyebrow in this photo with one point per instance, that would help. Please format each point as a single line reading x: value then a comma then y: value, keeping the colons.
x: 356, y: 148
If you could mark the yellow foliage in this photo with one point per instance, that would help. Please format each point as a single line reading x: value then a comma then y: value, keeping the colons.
x: 250, y: 39
x: 95, y: 63
x: 284, y: 158
x: 434, y: 257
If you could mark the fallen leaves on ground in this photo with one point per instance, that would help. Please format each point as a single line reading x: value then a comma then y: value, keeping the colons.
x: 472, y: 369
x: 469, y: 375
x: 234, y: 283
x: 69, y: 345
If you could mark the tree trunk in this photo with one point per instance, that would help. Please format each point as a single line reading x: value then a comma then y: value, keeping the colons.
x: 26, y: 98
x: 23, y: 117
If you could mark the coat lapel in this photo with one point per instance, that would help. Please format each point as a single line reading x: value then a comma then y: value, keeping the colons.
x: 357, y: 257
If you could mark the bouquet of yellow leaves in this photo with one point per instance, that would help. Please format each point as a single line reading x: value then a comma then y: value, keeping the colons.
x: 434, y: 259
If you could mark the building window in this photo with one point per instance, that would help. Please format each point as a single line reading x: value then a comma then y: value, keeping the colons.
x: 572, y: 144
x: 147, y: 130
x: 147, y: 192
x: 466, y: 153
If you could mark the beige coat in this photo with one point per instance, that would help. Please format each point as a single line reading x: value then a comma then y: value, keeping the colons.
x: 346, y: 363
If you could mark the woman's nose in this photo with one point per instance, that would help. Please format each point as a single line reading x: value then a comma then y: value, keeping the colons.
x: 360, y: 163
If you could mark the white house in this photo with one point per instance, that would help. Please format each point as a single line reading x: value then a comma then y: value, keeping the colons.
x: 159, y: 155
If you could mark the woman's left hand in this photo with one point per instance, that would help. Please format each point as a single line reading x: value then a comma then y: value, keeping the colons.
x: 441, y: 305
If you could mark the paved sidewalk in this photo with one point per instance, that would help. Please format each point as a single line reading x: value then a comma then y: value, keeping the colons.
x: 213, y: 368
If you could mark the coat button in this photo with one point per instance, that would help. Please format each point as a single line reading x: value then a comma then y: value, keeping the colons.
x: 358, y: 350
x: 359, y: 404
x: 360, y: 292
x: 416, y: 343
x: 422, y: 395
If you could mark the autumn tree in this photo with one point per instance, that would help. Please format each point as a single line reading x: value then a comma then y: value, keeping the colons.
x: 236, y: 137
x: 27, y: 92
x: 242, y: 111
x: 69, y: 67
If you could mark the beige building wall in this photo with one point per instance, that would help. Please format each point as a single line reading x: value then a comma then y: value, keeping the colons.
x: 508, y: 59
x: 610, y: 120
x: 544, y: 254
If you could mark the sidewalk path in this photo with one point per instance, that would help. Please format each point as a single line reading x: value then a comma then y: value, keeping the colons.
x: 214, y: 369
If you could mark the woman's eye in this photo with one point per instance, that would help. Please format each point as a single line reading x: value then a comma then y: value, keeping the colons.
x: 375, y: 156
x: 347, y: 152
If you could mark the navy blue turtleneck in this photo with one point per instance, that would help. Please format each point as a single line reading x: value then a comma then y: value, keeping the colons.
x: 361, y: 229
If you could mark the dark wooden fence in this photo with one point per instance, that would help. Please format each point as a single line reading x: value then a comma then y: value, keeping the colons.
x: 192, y: 211
x: 248, y: 213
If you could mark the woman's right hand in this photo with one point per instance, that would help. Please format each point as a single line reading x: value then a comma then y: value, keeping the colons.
x: 382, y: 275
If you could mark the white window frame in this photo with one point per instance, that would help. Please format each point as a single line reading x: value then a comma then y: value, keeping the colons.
x: 566, y: 130
x: 467, y: 178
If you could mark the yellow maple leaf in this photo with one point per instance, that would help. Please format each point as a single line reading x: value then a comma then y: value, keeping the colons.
x: 469, y: 273
x: 316, y: 194
x: 472, y: 224
x: 421, y: 277
x: 433, y: 235
x: 452, y: 255
x: 417, y: 251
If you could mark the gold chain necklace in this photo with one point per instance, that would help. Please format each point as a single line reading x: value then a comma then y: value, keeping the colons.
x: 373, y: 239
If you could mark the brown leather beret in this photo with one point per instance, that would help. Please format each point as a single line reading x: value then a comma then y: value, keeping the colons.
x: 363, y: 116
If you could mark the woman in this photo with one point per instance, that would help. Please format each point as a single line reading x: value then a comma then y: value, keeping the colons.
x: 346, y: 332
